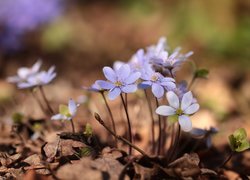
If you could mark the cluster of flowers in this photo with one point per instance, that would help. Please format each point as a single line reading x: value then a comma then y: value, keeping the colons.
x: 153, y: 68
x: 32, y: 77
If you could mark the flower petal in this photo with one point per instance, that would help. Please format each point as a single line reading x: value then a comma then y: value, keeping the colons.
x: 185, y: 123
x: 35, y: 68
x: 157, y: 90
x: 109, y: 73
x: 58, y: 117
x: 133, y: 77
x: 123, y: 72
x: 145, y: 84
x: 192, y: 109
x: 186, y: 100
x: 129, y: 88
x: 114, y: 93
x: 72, y: 107
x: 105, y: 84
x: 173, y: 99
x: 165, y: 110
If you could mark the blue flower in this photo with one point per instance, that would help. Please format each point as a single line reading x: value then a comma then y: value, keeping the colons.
x: 168, y: 63
x: 157, y: 82
x: 39, y: 79
x: 120, y: 80
x: 179, y: 109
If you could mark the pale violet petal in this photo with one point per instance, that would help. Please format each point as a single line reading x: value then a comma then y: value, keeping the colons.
x: 72, y: 107
x: 133, y: 77
x: 117, y: 65
x: 145, y: 84
x: 129, y: 88
x: 186, y: 100
x: 105, y: 84
x: 157, y: 90
x: 185, y: 123
x: 114, y: 93
x: 109, y: 73
x: 192, y: 109
x: 24, y: 85
x: 35, y: 68
x: 123, y: 72
x: 173, y: 99
x: 165, y: 110
x: 14, y: 79
x: 58, y: 117
x: 23, y: 72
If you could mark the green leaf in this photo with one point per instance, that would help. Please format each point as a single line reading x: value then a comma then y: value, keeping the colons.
x: 240, y: 134
x: 244, y: 146
x: 88, y: 130
x: 85, y: 151
x: 238, y: 140
x: 201, y: 73
x: 232, y: 142
x: 17, y: 117
x: 172, y: 119
x: 64, y: 110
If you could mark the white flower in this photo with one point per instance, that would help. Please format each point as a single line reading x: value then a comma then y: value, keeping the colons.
x: 66, y: 112
x: 38, y: 79
x: 182, y: 110
x: 24, y: 73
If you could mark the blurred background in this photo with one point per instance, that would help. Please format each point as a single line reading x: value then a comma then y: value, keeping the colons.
x: 81, y: 36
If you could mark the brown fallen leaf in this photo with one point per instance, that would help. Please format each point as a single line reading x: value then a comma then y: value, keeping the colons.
x: 32, y: 175
x: 35, y: 160
x: 64, y: 147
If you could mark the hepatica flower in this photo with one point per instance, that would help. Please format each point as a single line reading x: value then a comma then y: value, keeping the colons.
x: 238, y: 140
x: 157, y: 82
x: 179, y: 110
x: 169, y: 63
x: 39, y: 79
x: 24, y: 73
x: 119, y: 81
x: 66, y: 112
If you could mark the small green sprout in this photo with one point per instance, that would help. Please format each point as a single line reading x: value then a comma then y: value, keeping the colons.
x: 17, y: 117
x: 238, y: 140
x: 201, y: 73
x: 85, y: 151
x: 88, y: 130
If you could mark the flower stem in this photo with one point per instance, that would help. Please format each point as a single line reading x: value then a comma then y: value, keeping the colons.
x: 176, y: 143
x: 38, y: 101
x: 192, y: 82
x: 129, y: 124
x: 72, y: 125
x: 46, y: 100
x: 227, y: 159
x: 111, y: 116
x: 152, y: 121
x: 98, y: 118
x: 160, y: 130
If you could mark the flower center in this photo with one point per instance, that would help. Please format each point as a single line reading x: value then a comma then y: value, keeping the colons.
x: 118, y: 83
x: 154, y: 77
x: 179, y: 112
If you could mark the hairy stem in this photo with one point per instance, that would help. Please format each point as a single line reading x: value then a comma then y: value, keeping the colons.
x: 38, y: 101
x: 111, y: 116
x: 46, y: 100
x: 129, y: 124
x: 98, y: 118
x: 152, y: 121
x: 160, y: 130
x: 227, y: 159
x: 72, y: 125
x: 176, y: 143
